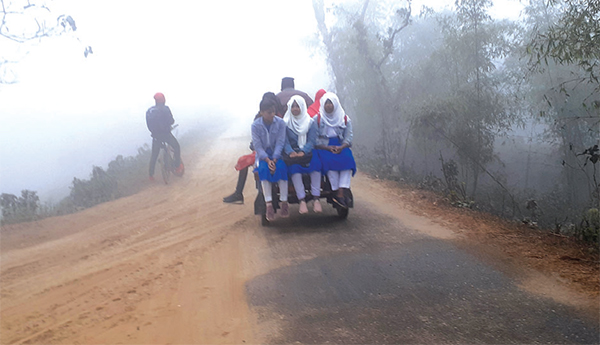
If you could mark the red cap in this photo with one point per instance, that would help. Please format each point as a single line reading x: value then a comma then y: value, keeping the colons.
x: 159, y: 98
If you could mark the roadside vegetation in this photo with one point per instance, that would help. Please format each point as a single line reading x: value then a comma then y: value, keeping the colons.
x: 501, y: 116
x: 122, y: 177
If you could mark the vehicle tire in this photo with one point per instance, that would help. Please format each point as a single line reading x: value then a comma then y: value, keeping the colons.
x: 342, y: 212
x: 263, y: 220
x: 167, y: 166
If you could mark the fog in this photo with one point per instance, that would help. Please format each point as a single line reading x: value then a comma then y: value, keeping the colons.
x: 66, y: 113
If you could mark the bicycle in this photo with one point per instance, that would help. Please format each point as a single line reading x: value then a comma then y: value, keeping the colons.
x: 167, y: 160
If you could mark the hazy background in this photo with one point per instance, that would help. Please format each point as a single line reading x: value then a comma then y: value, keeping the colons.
x: 66, y: 112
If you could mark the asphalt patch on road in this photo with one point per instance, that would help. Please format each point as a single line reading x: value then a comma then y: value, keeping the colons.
x: 421, y: 291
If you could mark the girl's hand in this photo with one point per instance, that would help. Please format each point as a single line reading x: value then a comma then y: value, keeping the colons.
x: 300, y: 154
x: 293, y: 154
x: 336, y: 149
x: 272, y: 166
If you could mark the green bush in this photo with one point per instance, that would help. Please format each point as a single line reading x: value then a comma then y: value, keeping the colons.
x: 121, y: 178
x: 589, y: 227
x: 19, y: 209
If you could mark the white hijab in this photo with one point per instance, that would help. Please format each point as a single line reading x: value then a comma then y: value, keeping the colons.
x: 298, y: 124
x: 336, y: 118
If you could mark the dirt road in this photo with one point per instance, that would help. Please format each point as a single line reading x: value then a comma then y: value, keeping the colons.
x: 176, y: 265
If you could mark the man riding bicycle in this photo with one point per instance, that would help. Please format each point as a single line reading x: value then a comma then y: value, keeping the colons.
x: 159, y: 120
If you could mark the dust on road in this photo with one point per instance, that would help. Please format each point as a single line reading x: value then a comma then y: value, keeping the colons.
x: 168, y: 265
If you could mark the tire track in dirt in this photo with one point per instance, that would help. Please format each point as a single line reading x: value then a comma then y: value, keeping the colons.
x: 137, y: 270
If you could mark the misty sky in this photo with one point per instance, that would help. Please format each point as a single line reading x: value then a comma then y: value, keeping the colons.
x: 67, y: 112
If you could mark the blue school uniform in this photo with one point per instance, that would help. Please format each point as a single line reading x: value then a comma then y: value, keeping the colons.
x: 268, y: 141
x: 291, y: 145
x: 329, y: 160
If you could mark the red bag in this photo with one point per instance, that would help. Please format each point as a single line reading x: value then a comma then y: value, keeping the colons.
x: 245, y: 161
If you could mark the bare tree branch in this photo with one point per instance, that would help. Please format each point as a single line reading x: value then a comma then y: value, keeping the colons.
x: 25, y: 21
x: 388, y: 44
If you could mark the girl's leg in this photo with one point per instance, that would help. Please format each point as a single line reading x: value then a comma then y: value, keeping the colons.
x: 283, y: 197
x: 334, y: 179
x: 298, y: 186
x: 283, y: 190
x: 300, y: 192
x: 268, y: 194
x: 345, y: 177
x: 315, y: 183
x: 315, y: 190
x: 267, y: 190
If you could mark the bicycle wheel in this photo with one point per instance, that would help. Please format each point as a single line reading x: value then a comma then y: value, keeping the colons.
x: 167, y: 165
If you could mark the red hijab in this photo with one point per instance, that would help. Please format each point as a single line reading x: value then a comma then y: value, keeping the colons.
x: 314, y: 108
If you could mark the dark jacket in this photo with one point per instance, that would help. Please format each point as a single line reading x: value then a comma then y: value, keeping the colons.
x: 285, y: 95
x: 159, y: 120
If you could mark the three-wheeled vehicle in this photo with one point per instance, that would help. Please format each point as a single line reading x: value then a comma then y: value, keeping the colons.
x: 260, y: 207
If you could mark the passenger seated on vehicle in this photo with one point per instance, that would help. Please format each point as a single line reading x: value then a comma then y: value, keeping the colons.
x: 298, y: 154
x: 268, y: 138
x: 334, y: 139
x: 246, y: 161
x: 313, y: 109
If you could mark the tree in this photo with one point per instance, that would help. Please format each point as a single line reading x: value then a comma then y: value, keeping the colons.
x: 564, y: 88
x: 17, y: 209
x: 454, y: 87
x: 470, y: 110
x: 359, y: 53
x: 26, y: 22
x: 8, y: 202
x: 573, y: 40
x: 29, y: 203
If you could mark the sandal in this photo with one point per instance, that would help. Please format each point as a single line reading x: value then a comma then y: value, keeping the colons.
x: 285, y: 209
x: 270, y: 212
x: 340, y: 201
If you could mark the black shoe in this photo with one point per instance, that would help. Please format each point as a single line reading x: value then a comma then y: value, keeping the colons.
x: 340, y: 202
x: 234, y: 198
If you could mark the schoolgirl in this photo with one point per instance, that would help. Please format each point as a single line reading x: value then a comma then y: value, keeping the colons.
x: 334, y: 139
x: 268, y: 138
x: 246, y: 161
x: 313, y: 109
x: 298, y: 152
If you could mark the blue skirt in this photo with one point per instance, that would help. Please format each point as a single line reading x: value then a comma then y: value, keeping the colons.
x: 264, y: 174
x: 337, y: 162
x: 315, y: 165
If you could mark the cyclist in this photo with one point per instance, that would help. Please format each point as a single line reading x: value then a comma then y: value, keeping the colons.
x: 159, y: 120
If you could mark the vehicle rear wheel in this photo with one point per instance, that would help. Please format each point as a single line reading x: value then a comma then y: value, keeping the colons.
x: 342, y: 212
